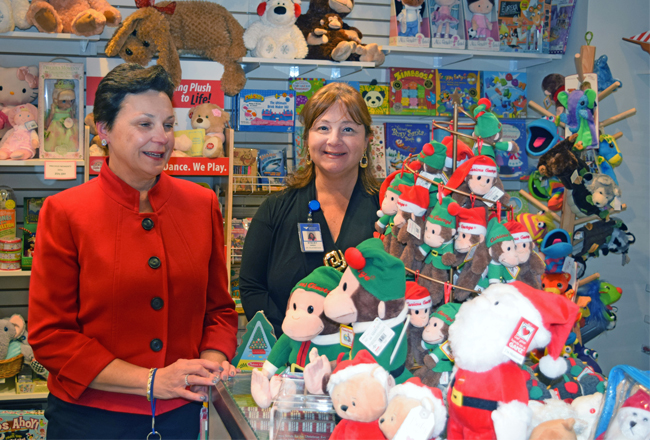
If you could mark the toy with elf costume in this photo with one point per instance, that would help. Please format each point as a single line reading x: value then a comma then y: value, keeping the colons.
x: 419, y: 304
x: 488, y: 128
x: 429, y: 164
x: 531, y: 265
x: 504, y: 267
x: 477, y: 176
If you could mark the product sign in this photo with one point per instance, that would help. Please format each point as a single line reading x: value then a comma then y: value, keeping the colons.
x: 521, y: 338
x: 178, y: 166
x: 192, y: 92
x: 60, y: 170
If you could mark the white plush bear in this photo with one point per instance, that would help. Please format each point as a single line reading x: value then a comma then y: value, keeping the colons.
x: 632, y: 421
x: 13, y: 13
x: 276, y: 35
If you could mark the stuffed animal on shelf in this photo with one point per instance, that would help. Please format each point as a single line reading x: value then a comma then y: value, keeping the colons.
x: 412, y: 406
x: 419, y: 303
x: 504, y: 264
x: 557, y: 429
x: 438, y: 249
x: 276, y: 35
x: 429, y: 164
x: 202, y: 28
x: 579, y: 116
x: 537, y: 225
x: 388, y: 194
x: 553, y: 85
x: 608, y: 149
x: 213, y: 119
x: 439, y: 362
x: 561, y: 162
x: 604, y: 74
x: 21, y: 141
x: 594, y: 195
x: 18, y: 85
x: 558, y: 283
x: 543, y: 134
x: 305, y: 326
x: 488, y: 129
x: 25, y: 349
x: 359, y: 390
x: 592, y: 237
x: 620, y: 242
x: 477, y: 176
x: 531, y: 265
x: 488, y: 397
x: 13, y: 13
x: 587, y: 409
x: 79, y: 17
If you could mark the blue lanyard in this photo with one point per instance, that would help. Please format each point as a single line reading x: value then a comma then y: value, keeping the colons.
x: 153, y: 408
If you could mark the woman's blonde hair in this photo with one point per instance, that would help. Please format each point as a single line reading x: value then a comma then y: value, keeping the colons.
x: 318, y: 104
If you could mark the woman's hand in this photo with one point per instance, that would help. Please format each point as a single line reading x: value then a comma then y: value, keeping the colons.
x: 173, y: 381
x: 226, y: 369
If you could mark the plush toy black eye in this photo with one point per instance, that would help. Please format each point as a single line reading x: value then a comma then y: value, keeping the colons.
x: 294, y: 306
x: 145, y: 43
x: 354, y: 404
x: 435, y: 324
x: 134, y: 32
x: 345, y: 286
x: 24, y: 90
x: 0, y: 88
x: 464, y: 235
x: 559, y: 285
x: 6, y: 329
x: 310, y: 309
x: 543, y: 285
x: 496, y: 303
x: 508, y: 249
x: 478, y: 178
x: 523, y: 246
x: 487, y: 181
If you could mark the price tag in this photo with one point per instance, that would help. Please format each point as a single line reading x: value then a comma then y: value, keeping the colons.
x: 494, y: 194
x: 446, y: 350
x: 413, y: 229
x: 575, y: 177
x: 470, y: 254
x: 518, y: 344
x: 418, y: 425
x: 422, y: 182
x: 617, y: 204
x: 377, y: 337
x: 346, y: 336
x: 60, y: 170
x: 31, y: 125
x: 513, y: 271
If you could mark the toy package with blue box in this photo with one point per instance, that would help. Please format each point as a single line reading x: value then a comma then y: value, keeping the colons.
x: 507, y: 92
x: 513, y: 166
x: 266, y: 110
x: 461, y: 86
x: 271, y: 168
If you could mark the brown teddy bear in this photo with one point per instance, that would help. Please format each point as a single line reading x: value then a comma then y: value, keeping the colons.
x: 197, y: 27
x: 213, y: 119
x: 79, y: 17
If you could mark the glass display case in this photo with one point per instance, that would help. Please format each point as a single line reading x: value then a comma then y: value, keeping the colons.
x: 294, y: 413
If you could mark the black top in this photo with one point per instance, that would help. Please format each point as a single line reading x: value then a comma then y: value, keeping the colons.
x: 272, y: 262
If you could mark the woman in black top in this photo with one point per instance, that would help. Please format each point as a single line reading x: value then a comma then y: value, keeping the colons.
x: 338, y: 175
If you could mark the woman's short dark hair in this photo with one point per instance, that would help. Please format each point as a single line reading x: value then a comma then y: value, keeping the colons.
x: 128, y: 78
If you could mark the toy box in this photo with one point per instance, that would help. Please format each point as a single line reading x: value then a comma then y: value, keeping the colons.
x: 412, y: 91
x: 376, y: 98
x: 402, y: 140
x: 305, y: 89
x: 513, y: 166
x: 461, y: 86
x: 266, y: 110
x: 378, y: 151
x: 245, y: 169
x: 561, y: 16
x: 271, y: 166
x: 507, y: 92
x: 481, y: 24
x: 409, y: 23
x: 195, y: 138
x: 32, y: 208
x: 447, y: 24
x: 61, y: 110
x: 257, y: 343
x: 521, y: 25
x: 23, y: 425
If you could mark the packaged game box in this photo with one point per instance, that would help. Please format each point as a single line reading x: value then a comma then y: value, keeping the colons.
x: 23, y: 425
x: 460, y: 86
x: 447, y: 24
x: 376, y: 98
x: 507, y: 92
x: 404, y: 139
x: 409, y: 23
x: 412, y: 91
x: 305, y: 89
x: 266, y: 110
x: 378, y: 151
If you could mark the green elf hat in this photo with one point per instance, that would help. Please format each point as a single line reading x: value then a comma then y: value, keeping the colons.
x: 496, y: 233
x: 446, y: 312
x: 433, y: 155
x: 440, y: 214
x: 487, y: 123
x: 322, y: 280
x: 406, y: 179
x: 379, y: 273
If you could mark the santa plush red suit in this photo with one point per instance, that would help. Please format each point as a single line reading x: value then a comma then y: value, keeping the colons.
x: 349, y: 429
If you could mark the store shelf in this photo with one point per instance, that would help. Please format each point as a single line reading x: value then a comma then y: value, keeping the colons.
x: 12, y: 396
x: 15, y: 273
x: 35, y: 162
x: 289, y: 68
x: 43, y: 43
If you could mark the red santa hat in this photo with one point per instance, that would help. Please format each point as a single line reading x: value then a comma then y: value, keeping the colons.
x: 518, y: 232
x: 430, y: 398
x: 363, y: 363
x: 463, y: 152
x: 476, y: 166
x: 471, y: 221
x: 417, y: 297
x: 414, y: 199
x: 559, y: 315
x: 640, y: 400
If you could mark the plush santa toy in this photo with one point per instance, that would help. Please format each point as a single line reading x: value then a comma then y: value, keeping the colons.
x: 487, y: 397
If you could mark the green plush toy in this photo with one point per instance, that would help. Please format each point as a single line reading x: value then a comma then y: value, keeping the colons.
x: 488, y: 128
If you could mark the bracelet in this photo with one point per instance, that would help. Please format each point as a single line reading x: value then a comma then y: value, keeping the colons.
x: 150, y: 383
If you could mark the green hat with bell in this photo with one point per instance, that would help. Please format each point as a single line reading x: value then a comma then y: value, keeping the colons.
x: 440, y: 214
x: 487, y: 123
x: 433, y: 155
x: 446, y: 312
x: 322, y: 280
x: 377, y: 271
x: 496, y: 233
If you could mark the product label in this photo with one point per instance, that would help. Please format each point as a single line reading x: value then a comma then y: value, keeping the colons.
x: 377, y: 337
x: 417, y: 425
x: 413, y: 229
x: 518, y: 344
x: 346, y: 335
x: 494, y: 194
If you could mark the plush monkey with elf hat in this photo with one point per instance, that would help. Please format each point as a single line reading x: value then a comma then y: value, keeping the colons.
x: 463, y: 153
x: 388, y: 194
x: 477, y: 176
x: 488, y: 128
x: 504, y: 264
x: 531, y: 265
x: 305, y: 326
x: 400, y: 182
x: 373, y: 286
x: 418, y: 302
x: 429, y: 164
x: 414, y: 201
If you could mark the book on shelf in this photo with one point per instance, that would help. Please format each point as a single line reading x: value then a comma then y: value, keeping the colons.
x: 402, y: 140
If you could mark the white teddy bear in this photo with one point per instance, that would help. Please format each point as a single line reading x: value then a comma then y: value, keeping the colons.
x: 13, y: 13
x: 276, y: 35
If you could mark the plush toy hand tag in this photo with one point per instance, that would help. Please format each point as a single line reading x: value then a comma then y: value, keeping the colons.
x: 31, y: 125
x: 470, y: 254
x: 518, y: 344
x: 493, y: 194
x: 421, y: 182
x: 377, y: 337
x: 216, y: 112
x: 513, y: 271
x: 418, y: 425
x: 346, y: 335
x: 575, y: 177
x: 444, y: 347
x: 413, y: 229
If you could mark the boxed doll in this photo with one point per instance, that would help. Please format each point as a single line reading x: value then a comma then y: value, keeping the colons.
x: 412, y: 91
x: 60, y: 110
x: 561, y: 16
x: 481, y: 24
x: 521, y: 25
x: 460, y: 86
x: 409, y: 23
x: 266, y: 110
x: 447, y: 24
x: 507, y: 92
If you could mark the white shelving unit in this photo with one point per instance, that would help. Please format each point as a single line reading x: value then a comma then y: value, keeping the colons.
x: 34, y: 162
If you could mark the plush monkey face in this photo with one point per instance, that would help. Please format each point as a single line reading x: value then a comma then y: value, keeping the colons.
x: 419, y: 317
x: 480, y: 185
x: 303, y: 319
x: 505, y: 253
x: 465, y: 241
x: 523, y: 251
x: 395, y: 414
x: 436, y: 235
x: 389, y: 204
x: 339, y: 305
x: 434, y: 331
x: 361, y: 398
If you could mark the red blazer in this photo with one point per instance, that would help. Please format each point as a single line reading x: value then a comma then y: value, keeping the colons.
x: 108, y: 283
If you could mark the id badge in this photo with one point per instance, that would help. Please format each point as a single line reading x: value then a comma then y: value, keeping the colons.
x: 311, y: 238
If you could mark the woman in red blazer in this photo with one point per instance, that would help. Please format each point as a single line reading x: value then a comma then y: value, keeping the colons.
x: 128, y: 298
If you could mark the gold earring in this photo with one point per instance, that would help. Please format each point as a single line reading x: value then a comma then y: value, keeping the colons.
x: 363, y: 163
x: 308, y: 159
